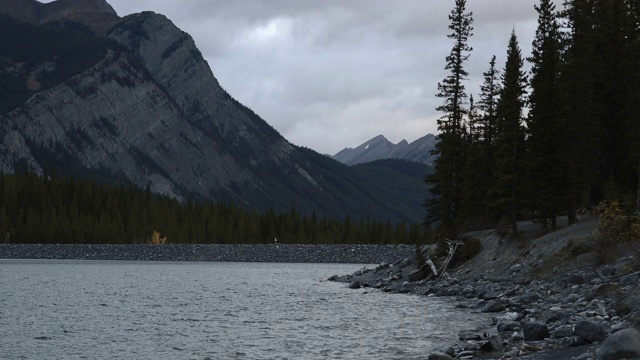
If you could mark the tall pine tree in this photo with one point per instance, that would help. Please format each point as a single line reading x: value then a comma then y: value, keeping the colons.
x: 444, y: 204
x: 510, y: 139
x: 547, y: 135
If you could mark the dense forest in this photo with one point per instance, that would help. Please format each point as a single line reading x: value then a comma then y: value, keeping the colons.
x: 52, y: 209
x: 553, y: 141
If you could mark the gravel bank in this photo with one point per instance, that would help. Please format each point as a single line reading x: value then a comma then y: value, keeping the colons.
x: 354, y: 254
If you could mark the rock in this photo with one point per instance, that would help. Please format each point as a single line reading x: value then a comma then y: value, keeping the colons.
x: 577, y: 341
x: 608, y: 270
x: 439, y: 356
x: 516, y: 268
x: 571, y: 298
x: 530, y: 297
x: 563, y: 331
x: 575, y: 279
x: 623, y: 344
x: 417, y: 275
x: 493, y: 345
x: 490, y: 295
x: 516, y: 337
x: 493, y: 307
x: 589, y: 331
x: 508, y: 326
x: 333, y: 278
x: 467, y: 337
x: 535, y: 331
x: 355, y: 285
x: 404, y: 263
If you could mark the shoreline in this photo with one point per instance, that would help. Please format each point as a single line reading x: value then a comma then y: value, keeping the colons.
x: 282, y: 253
x: 546, y: 301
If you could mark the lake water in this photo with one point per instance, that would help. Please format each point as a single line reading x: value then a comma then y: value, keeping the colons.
x: 178, y: 310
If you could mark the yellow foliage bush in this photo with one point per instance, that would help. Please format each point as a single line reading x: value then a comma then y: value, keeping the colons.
x: 616, y: 228
x: 157, y: 239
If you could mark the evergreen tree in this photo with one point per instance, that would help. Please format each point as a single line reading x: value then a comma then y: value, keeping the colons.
x: 580, y: 104
x: 509, y: 138
x: 547, y: 135
x: 444, y: 204
x: 481, y: 154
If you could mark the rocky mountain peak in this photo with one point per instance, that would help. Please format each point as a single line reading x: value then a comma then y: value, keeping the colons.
x: 97, y: 15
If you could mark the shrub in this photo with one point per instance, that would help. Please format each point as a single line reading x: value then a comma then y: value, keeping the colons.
x: 616, y: 228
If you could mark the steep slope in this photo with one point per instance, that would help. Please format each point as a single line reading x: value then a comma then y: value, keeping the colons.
x: 381, y: 148
x: 150, y: 112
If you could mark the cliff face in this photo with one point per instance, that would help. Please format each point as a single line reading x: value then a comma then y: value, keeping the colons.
x: 150, y: 112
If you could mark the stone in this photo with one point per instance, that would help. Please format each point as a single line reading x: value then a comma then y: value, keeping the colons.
x: 404, y: 263
x: 563, y: 331
x: 516, y: 268
x: 623, y: 344
x: 571, y: 298
x: 417, y: 275
x: 530, y: 297
x: 577, y: 341
x: 493, y: 307
x: 589, y: 331
x: 490, y: 295
x: 467, y: 337
x: 508, y: 326
x: 535, y: 331
x: 575, y: 279
x: 355, y: 285
x: 493, y: 345
x: 608, y: 270
x: 439, y: 356
x: 516, y: 337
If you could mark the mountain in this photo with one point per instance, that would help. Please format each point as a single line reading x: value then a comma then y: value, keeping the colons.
x: 137, y: 103
x: 381, y: 148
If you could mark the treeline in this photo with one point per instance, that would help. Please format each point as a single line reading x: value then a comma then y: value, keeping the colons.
x: 547, y: 142
x: 49, y: 209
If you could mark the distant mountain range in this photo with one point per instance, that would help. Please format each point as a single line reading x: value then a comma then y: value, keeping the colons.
x: 132, y: 101
x: 380, y: 148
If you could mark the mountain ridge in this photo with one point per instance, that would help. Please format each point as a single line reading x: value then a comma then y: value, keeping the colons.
x: 379, y: 148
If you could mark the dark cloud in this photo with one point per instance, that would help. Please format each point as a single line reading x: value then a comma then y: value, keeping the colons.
x: 331, y: 74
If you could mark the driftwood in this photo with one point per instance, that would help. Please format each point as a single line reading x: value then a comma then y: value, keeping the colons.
x: 431, y: 265
x: 453, y: 246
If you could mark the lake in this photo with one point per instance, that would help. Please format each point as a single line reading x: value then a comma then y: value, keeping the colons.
x: 209, y: 310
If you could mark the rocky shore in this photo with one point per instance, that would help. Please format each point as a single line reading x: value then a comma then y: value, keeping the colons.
x: 285, y: 253
x: 548, y: 296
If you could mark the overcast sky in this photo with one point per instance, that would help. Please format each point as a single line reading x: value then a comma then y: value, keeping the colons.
x: 331, y: 74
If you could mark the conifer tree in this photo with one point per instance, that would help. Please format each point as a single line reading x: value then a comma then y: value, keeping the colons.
x: 481, y: 154
x: 547, y: 134
x: 509, y: 138
x: 444, y: 204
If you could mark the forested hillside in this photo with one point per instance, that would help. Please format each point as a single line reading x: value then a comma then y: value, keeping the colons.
x: 51, y: 209
x: 550, y: 142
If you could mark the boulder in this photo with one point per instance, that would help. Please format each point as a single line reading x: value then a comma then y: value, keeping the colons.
x: 530, y: 297
x: 623, y: 344
x: 571, y: 298
x: 508, y: 326
x: 493, y: 307
x: 535, y: 331
x: 563, y: 331
x: 493, y: 345
x: 355, y: 285
x: 439, y: 356
x: 608, y: 270
x: 417, y: 275
x: 589, y: 331
x: 575, y: 279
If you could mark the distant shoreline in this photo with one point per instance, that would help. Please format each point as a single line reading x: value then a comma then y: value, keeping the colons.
x: 282, y: 253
